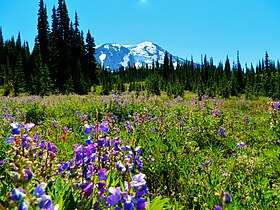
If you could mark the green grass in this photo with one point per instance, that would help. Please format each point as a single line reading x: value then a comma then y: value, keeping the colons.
x: 179, y: 134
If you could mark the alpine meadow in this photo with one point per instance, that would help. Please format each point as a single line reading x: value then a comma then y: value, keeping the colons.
x: 133, y: 126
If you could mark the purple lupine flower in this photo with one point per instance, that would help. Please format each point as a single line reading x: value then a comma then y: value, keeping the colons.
x: 116, y: 145
x: 25, y: 140
x: 225, y: 174
x: 1, y: 162
x: 240, y: 145
x: 89, y: 140
x: 22, y: 206
x: 129, y: 127
x: 104, y: 127
x: 141, y: 190
x: 51, y: 147
x: 40, y: 190
x: 90, y: 171
x: 28, y: 175
x: 115, y: 196
x: 222, y: 132
x: 15, y: 128
x: 78, y: 112
x: 42, y: 144
x: 141, y: 204
x: 104, y: 158
x: 88, y: 189
x: 217, y: 208
x: 29, y: 126
x: 10, y: 140
x: 139, y: 162
x: 120, y: 166
x: 54, y: 123
x: 84, y: 117
x: 23, y: 115
x: 101, y: 186
x: 101, y: 142
x: 17, y: 194
x: 128, y: 206
x: 227, y: 198
x: 201, y: 165
x: 88, y: 129
x: 101, y: 174
x: 46, y: 202
x: 217, y: 113
x: 138, y: 179
x: 138, y: 150
x: 36, y: 137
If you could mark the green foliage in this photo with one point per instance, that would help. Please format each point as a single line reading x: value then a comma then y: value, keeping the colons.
x: 35, y: 113
x: 152, y: 85
x: 187, y: 162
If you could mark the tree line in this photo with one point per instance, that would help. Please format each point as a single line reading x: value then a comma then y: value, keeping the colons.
x: 62, y: 60
x: 223, y: 80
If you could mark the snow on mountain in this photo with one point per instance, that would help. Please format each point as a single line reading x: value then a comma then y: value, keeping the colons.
x: 114, y: 56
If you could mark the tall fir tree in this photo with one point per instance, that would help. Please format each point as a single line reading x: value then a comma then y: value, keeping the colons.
x: 19, y: 82
x: 43, y: 33
x: 91, y: 64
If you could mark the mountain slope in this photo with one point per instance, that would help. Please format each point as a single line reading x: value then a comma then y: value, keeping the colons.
x: 114, y: 56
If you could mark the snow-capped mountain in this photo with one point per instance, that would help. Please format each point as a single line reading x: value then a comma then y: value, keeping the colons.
x: 114, y: 56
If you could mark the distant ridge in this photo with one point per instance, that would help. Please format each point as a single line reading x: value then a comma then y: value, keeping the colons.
x: 114, y: 56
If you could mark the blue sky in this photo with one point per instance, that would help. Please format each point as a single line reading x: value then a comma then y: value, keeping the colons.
x: 184, y: 27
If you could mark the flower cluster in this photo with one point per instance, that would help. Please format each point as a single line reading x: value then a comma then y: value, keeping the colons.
x: 224, y: 199
x: 29, y: 153
x: 39, y: 198
x: 99, y: 157
x: 222, y: 132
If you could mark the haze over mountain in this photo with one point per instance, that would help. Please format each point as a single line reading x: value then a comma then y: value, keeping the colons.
x: 114, y: 56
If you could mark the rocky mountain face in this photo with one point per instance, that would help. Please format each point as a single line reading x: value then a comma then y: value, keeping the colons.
x: 114, y: 56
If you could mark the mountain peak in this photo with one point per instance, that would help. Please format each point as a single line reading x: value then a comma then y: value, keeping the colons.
x: 115, y: 55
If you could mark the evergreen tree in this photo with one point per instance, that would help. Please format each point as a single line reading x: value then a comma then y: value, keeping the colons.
x: 239, y: 76
x: 227, y: 69
x: 43, y: 33
x: 19, y: 78
x: 91, y: 64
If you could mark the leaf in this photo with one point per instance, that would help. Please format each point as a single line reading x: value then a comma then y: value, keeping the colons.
x: 158, y: 203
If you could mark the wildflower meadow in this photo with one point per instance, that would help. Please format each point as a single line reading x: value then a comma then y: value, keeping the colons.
x: 135, y: 151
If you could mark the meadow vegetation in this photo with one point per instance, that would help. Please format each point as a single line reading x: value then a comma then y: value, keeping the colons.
x: 126, y: 151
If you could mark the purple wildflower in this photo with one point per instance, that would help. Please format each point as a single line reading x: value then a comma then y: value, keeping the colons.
x: 115, y: 196
x: 101, y: 174
x: 104, y: 127
x: 46, y: 202
x: 54, y: 123
x: 29, y: 126
x: 88, y: 129
x: 141, y: 204
x: 40, y: 190
x: 10, y: 140
x: 15, y: 128
x: 22, y: 206
x: 17, y: 194
x: 101, y: 186
x: 28, y: 175
x: 222, y: 132
x: 217, y: 208
x: 240, y: 145
x: 227, y: 198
